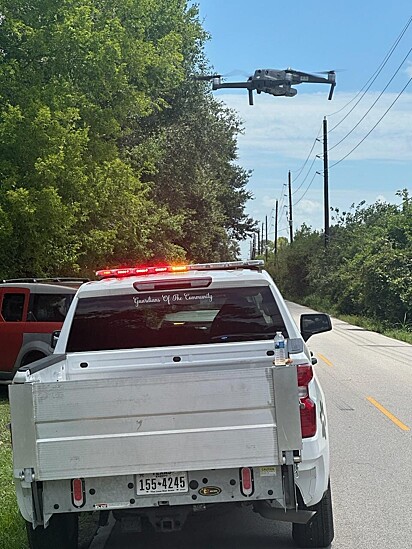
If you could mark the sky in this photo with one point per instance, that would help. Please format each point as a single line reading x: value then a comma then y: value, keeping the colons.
x: 353, y: 37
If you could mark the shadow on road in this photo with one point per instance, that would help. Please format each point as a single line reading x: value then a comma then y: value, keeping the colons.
x: 239, y: 529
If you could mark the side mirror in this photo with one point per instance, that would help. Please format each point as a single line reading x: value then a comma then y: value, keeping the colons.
x: 54, y: 338
x: 315, y: 323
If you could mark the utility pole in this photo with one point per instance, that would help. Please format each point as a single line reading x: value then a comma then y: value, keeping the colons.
x: 290, y: 208
x: 276, y: 227
x: 258, y: 242
x: 253, y: 247
x: 261, y: 241
x: 326, y: 180
x: 266, y: 242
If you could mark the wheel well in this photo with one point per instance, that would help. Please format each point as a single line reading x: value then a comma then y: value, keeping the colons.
x: 31, y: 357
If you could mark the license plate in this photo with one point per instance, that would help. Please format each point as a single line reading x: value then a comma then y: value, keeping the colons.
x: 161, y: 483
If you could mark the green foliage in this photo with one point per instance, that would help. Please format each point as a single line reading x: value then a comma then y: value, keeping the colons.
x: 197, y: 179
x: 366, y: 269
x: 293, y: 263
x: 35, y: 233
x: 109, y: 151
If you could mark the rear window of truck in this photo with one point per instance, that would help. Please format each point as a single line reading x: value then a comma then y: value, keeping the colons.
x: 183, y: 317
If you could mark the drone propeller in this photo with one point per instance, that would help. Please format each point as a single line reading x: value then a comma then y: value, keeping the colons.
x: 237, y: 71
x: 334, y: 71
x: 206, y: 77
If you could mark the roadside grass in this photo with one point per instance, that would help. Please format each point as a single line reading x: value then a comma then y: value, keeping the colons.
x: 401, y: 331
x: 396, y: 332
x: 12, y: 529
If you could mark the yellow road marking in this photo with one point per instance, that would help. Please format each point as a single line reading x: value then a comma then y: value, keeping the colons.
x: 325, y: 360
x: 384, y: 411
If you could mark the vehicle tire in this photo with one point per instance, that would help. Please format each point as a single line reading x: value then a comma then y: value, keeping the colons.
x: 319, y: 531
x: 61, y: 533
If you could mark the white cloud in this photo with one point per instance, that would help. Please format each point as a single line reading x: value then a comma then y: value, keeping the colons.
x: 269, y: 202
x: 287, y: 127
x: 279, y: 133
x: 308, y: 207
x: 409, y: 69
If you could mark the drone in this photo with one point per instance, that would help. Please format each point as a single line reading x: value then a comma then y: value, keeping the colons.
x: 274, y: 81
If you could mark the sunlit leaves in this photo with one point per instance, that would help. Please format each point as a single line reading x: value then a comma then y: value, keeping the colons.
x: 365, y: 270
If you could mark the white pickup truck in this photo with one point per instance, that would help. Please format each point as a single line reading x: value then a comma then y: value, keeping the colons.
x: 163, y: 398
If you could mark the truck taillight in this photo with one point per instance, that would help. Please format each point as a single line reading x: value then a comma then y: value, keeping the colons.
x: 246, y: 481
x: 306, y: 404
x: 78, y: 493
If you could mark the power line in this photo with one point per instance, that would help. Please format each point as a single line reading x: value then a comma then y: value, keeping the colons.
x: 373, y: 104
x: 282, y: 196
x: 371, y: 130
x: 306, y: 176
x: 367, y: 85
x: 300, y: 170
x: 373, y: 77
x: 308, y: 187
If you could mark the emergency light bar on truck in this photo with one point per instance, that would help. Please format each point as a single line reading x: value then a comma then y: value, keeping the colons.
x: 45, y: 280
x: 255, y: 264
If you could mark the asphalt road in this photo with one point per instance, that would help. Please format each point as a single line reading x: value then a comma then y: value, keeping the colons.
x: 371, y: 452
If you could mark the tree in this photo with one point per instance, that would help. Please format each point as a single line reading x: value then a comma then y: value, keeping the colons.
x: 367, y: 267
x: 95, y: 104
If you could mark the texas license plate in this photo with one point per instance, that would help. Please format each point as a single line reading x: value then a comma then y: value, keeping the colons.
x: 162, y: 483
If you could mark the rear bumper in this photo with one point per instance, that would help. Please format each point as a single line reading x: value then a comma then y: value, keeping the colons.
x: 314, y: 470
x: 111, y: 493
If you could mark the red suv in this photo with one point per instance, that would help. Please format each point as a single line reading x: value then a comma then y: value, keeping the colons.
x: 30, y: 311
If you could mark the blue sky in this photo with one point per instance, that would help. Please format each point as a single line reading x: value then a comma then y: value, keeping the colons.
x: 279, y: 132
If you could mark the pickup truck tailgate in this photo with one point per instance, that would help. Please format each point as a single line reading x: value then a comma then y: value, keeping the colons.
x: 155, y: 422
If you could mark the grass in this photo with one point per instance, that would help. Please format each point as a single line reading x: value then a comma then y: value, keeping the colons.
x: 401, y: 331
x: 13, y: 533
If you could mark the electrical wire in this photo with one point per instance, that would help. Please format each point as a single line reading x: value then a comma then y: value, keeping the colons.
x: 306, y: 176
x: 308, y: 187
x: 378, y: 122
x: 282, y: 197
x: 373, y: 77
x: 300, y: 170
x: 284, y: 228
x: 280, y: 220
x: 373, y: 104
x: 364, y: 89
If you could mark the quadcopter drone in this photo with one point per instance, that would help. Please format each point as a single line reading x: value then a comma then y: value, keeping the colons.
x: 274, y: 81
